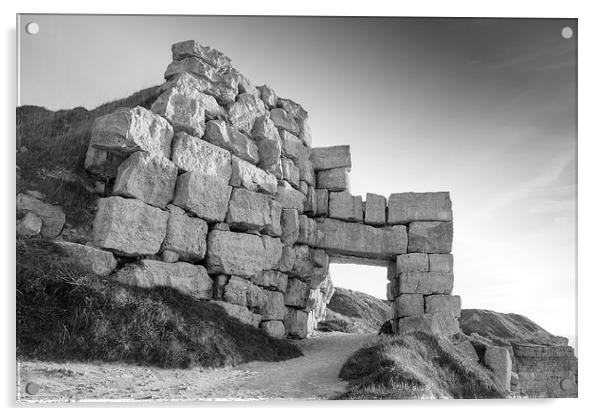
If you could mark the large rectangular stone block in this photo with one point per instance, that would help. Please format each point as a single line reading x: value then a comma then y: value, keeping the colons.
x: 332, y: 157
x: 443, y: 303
x: 252, y: 178
x: 354, y: 239
x: 186, y: 236
x: 344, y: 206
x: 242, y: 292
x: 411, y: 206
x: 183, y: 113
x: 150, y: 178
x: 273, y: 252
x: 290, y: 172
x: 193, y: 154
x: 248, y: 210
x: 408, y: 305
x: 412, y: 262
x: 89, y: 259
x: 307, y: 231
x: 207, y: 196
x: 227, y: 137
x: 192, y: 280
x: 441, y: 263
x: 334, y: 180
x: 296, y: 294
x: 430, y: 237
x: 295, y: 322
x: 274, y: 306
x: 289, y: 197
x: 306, y: 169
x: 376, y: 209
x: 232, y: 253
x: 322, y: 198
x: 129, y: 130
x: 441, y: 324
x: 426, y: 283
x: 272, y: 279
x: 129, y: 227
x: 291, y: 145
x: 289, y: 221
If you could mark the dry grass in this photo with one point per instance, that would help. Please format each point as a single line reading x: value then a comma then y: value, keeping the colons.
x: 417, y: 365
x: 63, y: 314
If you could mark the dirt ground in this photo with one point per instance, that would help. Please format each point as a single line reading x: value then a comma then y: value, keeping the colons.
x: 312, y: 376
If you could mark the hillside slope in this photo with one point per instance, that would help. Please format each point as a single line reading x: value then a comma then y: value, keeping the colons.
x: 354, y: 312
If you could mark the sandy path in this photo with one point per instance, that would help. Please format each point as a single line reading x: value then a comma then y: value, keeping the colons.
x: 312, y: 376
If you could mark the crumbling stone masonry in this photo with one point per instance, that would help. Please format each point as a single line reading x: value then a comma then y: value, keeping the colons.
x: 217, y: 192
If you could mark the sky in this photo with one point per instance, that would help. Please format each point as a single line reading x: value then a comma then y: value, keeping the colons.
x: 483, y: 108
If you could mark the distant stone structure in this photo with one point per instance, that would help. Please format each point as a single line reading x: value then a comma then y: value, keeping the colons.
x: 217, y: 192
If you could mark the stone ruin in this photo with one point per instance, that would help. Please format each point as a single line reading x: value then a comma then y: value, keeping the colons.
x: 217, y: 192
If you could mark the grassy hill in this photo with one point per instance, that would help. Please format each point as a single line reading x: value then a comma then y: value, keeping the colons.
x: 415, y: 366
x: 354, y: 312
x: 506, y: 327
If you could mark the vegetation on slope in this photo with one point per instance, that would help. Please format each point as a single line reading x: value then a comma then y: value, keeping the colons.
x: 354, y: 312
x: 506, y: 327
x: 51, y: 149
x: 63, y: 314
x: 415, y: 366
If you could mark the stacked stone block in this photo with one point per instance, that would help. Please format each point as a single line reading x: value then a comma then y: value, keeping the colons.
x: 218, y: 194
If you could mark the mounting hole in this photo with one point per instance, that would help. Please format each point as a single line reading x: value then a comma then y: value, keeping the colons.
x: 567, y: 384
x: 32, y: 28
x: 566, y: 32
x: 32, y: 388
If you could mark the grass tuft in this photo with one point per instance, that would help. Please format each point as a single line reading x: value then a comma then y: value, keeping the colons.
x: 416, y: 365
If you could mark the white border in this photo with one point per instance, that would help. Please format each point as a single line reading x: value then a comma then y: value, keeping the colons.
x: 590, y: 206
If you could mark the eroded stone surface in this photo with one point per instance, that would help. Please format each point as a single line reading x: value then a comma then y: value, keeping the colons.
x: 412, y: 262
x: 183, y: 113
x: 242, y: 292
x: 283, y: 120
x: 322, y: 198
x: 102, y: 163
x: 407, y: 207
x: 344, y: 206
x: 241, y: 313
x: 289, y: 197
x: 290, y: 172
x: 443, y: 303
x: 89, y: 259
x: 206, y: 196
x: 426, y: 283
x: 430, y: 237
x: 129, y: 227
x: 29, y: 225
x: 361, y: 240
x: 235, y: 253
x: 295, y: 322
x: 274, y: 228
x: 272, y: 279
x: 408, y: 305
x: 249, y: 210
x: 244, y: 112
x: 334, y: 180
x: 268, y: 96
x: 192, y: 280
x: 273, y: 328
x: 221, y: 134
x: 441, y: 263
x: 193, y: 154
x: 441, y: 324
x: 126, y: 131
x: 188, y: 48
x: 52, y: 216
x: 499, y: 361
x: 332, y: 157
x: 250, y: 177
x: 274, y: 306
x: 268, y: 143
x: 186, y: 236
x: 150, y: 178
x: 376, y: 207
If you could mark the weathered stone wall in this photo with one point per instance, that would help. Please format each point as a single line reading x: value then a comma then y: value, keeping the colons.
x: 217, y: 192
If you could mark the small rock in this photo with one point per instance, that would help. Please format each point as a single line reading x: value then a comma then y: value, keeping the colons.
x: 52, y: 216
x: 29, y: 225
x: 273, y: 328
